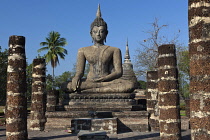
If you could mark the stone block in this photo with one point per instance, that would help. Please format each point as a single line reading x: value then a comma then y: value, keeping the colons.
x: 80, y: 124
x: 96, y: 135
x: 129, y: 121
x: 107, y: 124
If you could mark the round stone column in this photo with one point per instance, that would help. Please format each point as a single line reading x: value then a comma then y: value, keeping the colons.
x: 16, y: 105
x: 152, y: 100
x: 52, y: 99
x: 168, y: 100
x: 199, y: 51
x: 38, y: 103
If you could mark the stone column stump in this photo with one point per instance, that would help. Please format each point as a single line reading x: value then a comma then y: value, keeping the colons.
x: 38, y: 105
x: 168, y: 100
x: 52, y: 99
x: 16, y: 105
x: 152, y: 100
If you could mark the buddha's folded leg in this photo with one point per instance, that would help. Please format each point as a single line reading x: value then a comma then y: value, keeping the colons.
x: 107, y: 87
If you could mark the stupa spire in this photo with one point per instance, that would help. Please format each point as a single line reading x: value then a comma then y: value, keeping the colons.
x: 127, y: 55
x: 98, y: 14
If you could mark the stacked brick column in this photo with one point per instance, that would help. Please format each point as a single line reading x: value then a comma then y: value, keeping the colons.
x: 38, y: 104
x: 16, y: 106
x: 52, y: 99
x: 168, y: 99
x: 199, y: 50
x: 152, y: 99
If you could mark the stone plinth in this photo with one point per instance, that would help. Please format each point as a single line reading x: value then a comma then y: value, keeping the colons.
x: 100, y: 102
x: 127, y: 121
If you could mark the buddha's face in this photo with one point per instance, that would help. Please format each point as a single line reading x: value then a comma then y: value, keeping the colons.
x: 99, y: 34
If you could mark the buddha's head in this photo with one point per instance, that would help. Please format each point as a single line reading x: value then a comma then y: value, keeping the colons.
x: 98, y: 29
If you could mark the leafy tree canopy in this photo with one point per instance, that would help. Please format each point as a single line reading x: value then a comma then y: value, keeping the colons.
x: 54, y: 45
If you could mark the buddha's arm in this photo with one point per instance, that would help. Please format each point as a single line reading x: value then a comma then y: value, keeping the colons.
x: 79, y: 69
x: 117, y: 62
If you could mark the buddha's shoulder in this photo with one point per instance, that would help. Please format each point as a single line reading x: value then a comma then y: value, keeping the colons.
x: 84, y: 48
x: 111, y: 48
x: 114, y: 48
x: 91, y: 47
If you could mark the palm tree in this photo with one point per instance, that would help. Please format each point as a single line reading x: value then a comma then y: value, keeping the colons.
x: 54, y: 45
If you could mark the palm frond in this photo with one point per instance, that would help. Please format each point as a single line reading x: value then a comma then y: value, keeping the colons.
x: 43, y: 43
x: 42, y: 49
x: 54, y: 44
x: 62, y: 56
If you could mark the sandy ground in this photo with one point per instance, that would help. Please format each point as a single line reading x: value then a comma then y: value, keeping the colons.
x: 64, y: 135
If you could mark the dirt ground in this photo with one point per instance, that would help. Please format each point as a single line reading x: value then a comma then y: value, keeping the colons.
x: 63, y: 135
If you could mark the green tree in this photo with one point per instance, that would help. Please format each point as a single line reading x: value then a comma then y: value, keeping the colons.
x: 142, y: 84
x: 65, y: 77
x: 3, y: 74
x: 146, y: 56
x: 54, y: 46
x: 184, y: 73
x: 49, y: 82
x: 29, y: 80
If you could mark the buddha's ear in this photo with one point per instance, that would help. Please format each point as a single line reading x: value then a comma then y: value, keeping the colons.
x: 107, y: 33
x: 106, y: 36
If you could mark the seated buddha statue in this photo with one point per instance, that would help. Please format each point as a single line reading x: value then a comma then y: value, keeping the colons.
x: 105, y: 65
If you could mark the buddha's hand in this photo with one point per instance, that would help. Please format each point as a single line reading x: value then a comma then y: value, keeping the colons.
x: 75, y: 83
x: 101, y: 79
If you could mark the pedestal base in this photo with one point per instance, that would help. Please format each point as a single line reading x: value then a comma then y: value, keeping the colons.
x: 122, y: 106
x: 127, y: 121
x: 100, y: 102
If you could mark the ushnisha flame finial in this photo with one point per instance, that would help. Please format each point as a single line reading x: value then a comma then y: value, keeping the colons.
x: 98, y: 14
x: 98, y: 20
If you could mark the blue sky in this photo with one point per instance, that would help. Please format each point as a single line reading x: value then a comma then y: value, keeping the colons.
x: 34, y: 19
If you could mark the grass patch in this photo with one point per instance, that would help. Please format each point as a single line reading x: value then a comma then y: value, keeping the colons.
x: 2, y: 121
x: 1, y: 109
x: 182, y: 113
x: 2, y: 118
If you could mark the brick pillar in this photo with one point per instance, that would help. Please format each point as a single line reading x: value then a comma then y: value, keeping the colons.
x: 52, y: 99
x: 187, y: 107
x: 199, y: 51
x: 152, y: 100
x: 16, y: 105
x: 38, y: 104
x: 168, y: 99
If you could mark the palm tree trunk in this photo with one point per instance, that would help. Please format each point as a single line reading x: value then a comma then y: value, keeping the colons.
x: 53, y: 82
